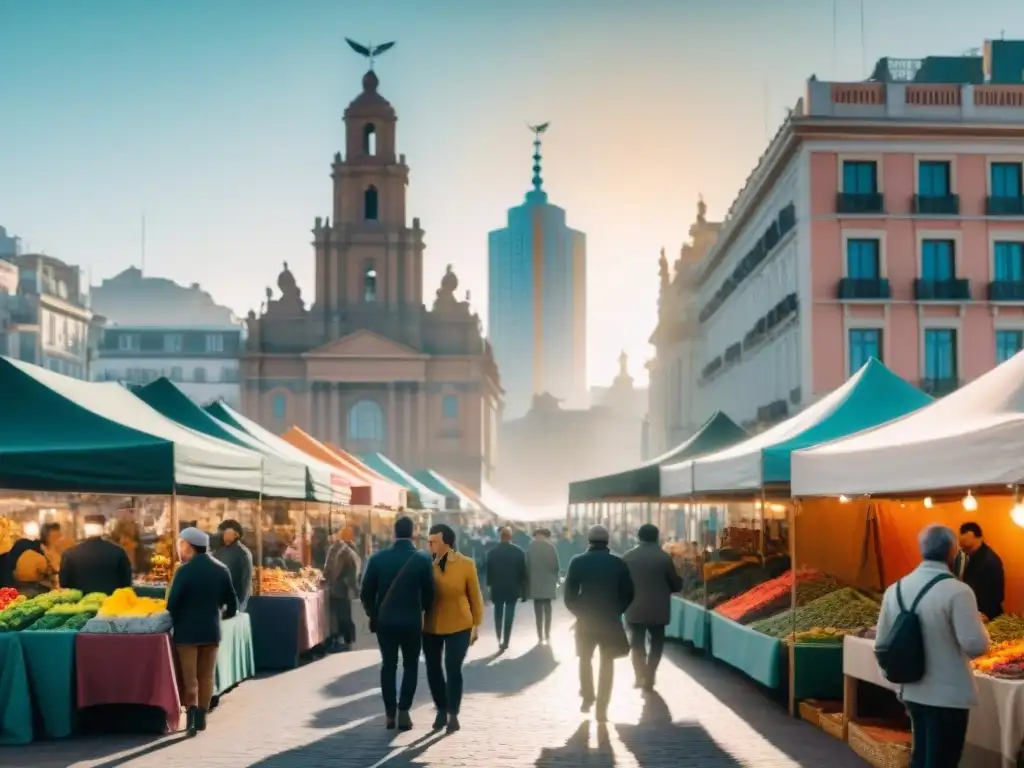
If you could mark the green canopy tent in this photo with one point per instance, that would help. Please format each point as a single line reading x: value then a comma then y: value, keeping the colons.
x: 283, y: 478
x: 438, y: 483
x: 64, y: 435
x: 424, y: 496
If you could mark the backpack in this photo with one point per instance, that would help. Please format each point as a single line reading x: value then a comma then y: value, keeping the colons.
x: 900, y: 654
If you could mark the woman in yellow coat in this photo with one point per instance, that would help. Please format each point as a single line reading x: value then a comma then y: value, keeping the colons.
x: 451, y: 625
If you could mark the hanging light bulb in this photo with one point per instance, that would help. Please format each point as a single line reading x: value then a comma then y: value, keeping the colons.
x: 927, y: 502
x: 844, y: 499
x: 1017, y: 514
x: 970, y: 503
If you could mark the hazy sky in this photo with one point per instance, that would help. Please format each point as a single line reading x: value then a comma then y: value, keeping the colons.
x: 218, y: 120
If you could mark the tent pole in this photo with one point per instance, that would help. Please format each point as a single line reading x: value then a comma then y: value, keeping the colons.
x: 259, y: 542
x: 764, y: 533
x: 793, y: 512
x: 174, y: 525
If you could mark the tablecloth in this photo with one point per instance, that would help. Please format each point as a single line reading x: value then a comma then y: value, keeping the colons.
x: 50, y: 665
x: 286, y: 626
x: 757, y: 655
x: 995, y: 732
x: 235, y: 659
x: 127, y: 669
x: 818, y: 671
x: 15, y: 704
x: 674, y: 629
x: 695, y: 625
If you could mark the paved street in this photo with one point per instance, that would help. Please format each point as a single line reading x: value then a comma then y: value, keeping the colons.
x: 521, y: 710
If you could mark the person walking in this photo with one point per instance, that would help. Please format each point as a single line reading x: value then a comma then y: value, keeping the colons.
x: 451, y: 625
x: 598, y: 590
x: 238, y: 559
x: 543, y: 570
x: 506, y: 578
x: 201, y: 594
x: 398, y: 588
x: 951, y: 633
x: 655, y: 580
x: 341, y: 570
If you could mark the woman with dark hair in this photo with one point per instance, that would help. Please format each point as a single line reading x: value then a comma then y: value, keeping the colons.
x: 451, y: 625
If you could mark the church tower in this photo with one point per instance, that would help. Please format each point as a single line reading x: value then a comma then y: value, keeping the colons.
x: 369, y: 262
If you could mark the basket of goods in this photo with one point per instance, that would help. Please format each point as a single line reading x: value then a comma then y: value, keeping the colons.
x: 832, y: 724
x: 880, y: 744
x: 124, y: 612
x: 775, y: 595
x: 811, y: 710
x: 825, y: 620
x: 277, y: 581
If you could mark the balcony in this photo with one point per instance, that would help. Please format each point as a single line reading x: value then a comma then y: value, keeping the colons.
x: 938, y: 387
x: 1006, y: 290
x: 852, y: 289
x: 956, y: 289
x: 860, y: 202
x: 929, y: 205
x: 1004, y: 206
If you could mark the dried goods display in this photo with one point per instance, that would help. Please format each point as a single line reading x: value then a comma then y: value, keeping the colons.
x: 125, y: 603
x: 277, y: 581
x: 1003, y: 660
x: 775, y: 595
x: 844, y: 610
x: 822, y: 635
x: 1006, y: 627
x: 739, y: 578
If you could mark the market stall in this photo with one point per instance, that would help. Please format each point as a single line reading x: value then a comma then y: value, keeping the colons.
x: 290, y: 617
x: 454, y: 498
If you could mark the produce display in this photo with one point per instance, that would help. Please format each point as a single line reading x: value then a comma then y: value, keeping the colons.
x: 1006, y: 627
x: 70, y: 616
x: 738, y: 577
x: 21, y: 614
x: 1003, y: 660
x: 819, y: 635
x: 775, y: 595
x: 277, y: 581
x: 159, y: 570
x: 841, y: 612
x: 7, y: 596
x: 125, y: 603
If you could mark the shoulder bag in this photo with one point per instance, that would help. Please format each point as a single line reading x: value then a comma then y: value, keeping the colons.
x: 391, y: 591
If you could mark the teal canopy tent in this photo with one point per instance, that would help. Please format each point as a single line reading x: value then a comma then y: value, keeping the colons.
x: 385, y: 467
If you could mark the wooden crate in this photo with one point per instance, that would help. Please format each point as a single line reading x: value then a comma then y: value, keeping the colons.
x: 811, y: 710
x: 832, y: 724
x: 881, y: 746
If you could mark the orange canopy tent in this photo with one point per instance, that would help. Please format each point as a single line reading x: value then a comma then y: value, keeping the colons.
x: 368, y: 488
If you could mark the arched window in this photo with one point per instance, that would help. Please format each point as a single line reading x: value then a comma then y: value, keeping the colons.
x: 369, y: 284
x: 370, y: 203
x: 366, y: 424
x: 369, y: 139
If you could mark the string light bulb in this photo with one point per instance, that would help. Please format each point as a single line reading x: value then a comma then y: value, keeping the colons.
x: 970, y: 503
x: 844, y: 499
x: 927, y: 502
x: 1017, y: 514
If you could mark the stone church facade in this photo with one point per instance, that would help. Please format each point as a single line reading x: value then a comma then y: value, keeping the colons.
x: 367, y: 366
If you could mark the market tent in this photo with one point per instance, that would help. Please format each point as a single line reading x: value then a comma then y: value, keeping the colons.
x: 644, y: 482
x: 506, y: 509
x: 326, y: 484
x: 63, y: 434
x: 283, y: 478
x: 972, y: 438
x: 385, y: 467
x: 368, y: 488
x: 445, y: 487
x: 872, y: 396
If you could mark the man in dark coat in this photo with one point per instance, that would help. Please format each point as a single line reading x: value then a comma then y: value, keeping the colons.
x: 984, y: 572
x: 398, y: 588
x: 95, y: 564
x: 655, y: 579
x: 238, y: 559
x: 506, y: 578
x: 598, y: 590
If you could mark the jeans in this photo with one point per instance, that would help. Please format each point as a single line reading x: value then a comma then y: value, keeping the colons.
x: 504, y: 616
x: 198, y: 666
x: 939, y: 735
x: 445, y: 676
x: 645, y: 663
x: 391, y: 642
x: 585, y: 647
x: 542, y: 611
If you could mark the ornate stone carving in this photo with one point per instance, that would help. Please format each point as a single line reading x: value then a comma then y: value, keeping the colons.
x: 290, y: 303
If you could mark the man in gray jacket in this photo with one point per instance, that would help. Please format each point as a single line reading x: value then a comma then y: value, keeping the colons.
x: 655, y: 579
x: 953, y: 634
x: 543, y: 570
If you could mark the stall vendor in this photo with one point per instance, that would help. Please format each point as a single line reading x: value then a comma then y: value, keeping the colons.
x: 984, y: 571
x: 35, y: 563
x: 237, y: 557
x: 95, y: 564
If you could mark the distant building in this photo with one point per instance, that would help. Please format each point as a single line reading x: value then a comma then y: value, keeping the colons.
x: 47, y: 319
x: 537, y: 309
x: 130, y: 298
x: 203, y: 362
x: 622, y: 397
x: 10, y: 246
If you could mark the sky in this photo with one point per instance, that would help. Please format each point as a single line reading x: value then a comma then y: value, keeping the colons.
x: 217, y: 121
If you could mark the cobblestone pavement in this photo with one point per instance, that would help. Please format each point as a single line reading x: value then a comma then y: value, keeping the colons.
x: 521, y: 710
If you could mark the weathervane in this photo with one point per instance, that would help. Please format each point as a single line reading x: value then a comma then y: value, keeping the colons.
x: 537, y: 130
x: 370, y: 51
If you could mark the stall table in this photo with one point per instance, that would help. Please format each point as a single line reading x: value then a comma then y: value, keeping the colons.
x: 50, y: 666
x: 15, y: 705
x: 235, y: 659
x: 689, y: 623
x: 995, y: 732
x: 286, y: 626
x: 757, y: 655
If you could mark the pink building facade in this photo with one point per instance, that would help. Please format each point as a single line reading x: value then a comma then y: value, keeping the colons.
x: 884, y: 219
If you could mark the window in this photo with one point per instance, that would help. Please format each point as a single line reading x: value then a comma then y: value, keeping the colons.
x: 369, y: 139
x: 450, y: 406
x: 229, y: 375
x: 129, y: 342
x: 370, y: 284
x: 860, y: 177
x: 862, y: 259
x: 937, y: 260
x: 173, y: 343
x: 177, y: 373
x: 366, y: 422
x: 1008, y: 262
x: 940, y: 354
x: 199, y: 376
x: 1006, y: 179
x: 933, y: 178
x: 1008, y: 344
x: 280, y: 407
x: 865, y: 343
x: 214, y: 343
x: 370, y: 204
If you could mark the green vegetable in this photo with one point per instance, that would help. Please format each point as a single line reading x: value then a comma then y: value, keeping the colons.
x: 50, y: 621
x: 76, y: 622
x: 843, y: 609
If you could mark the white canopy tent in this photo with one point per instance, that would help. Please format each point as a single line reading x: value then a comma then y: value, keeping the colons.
x: 506, y: 509
x: 972, y: 438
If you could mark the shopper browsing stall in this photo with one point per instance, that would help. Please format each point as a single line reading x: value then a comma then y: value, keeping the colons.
x: 95, y: 564
x: 32, y: 565
x: 238, y: 559
x: 984, y: 571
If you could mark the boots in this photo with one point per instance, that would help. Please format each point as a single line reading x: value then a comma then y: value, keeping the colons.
x: 192, y: 720
x: 201, y: 719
